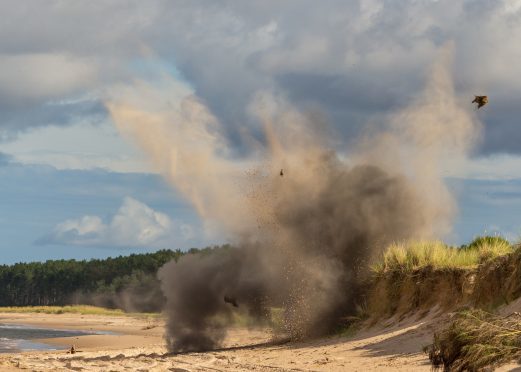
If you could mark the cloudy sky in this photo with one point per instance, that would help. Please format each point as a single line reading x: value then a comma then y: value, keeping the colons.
x: 72, y: 187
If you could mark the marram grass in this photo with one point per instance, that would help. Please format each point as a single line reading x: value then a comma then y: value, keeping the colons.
x: 414, y: 255
x: 476, y: 340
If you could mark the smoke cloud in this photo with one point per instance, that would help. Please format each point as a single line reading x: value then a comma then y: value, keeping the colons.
x: 303, y: 237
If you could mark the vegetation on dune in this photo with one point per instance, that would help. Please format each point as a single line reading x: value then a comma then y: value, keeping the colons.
x: 476, y: 339
x: 416, y: 277
x: 414, y: 255
x: 485, y: 240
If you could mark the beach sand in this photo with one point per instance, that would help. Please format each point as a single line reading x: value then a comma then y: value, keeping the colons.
x: 138, y: 345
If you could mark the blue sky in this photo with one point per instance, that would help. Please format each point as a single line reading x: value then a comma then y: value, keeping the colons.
x: 71, y: 186
x: 37, y: 198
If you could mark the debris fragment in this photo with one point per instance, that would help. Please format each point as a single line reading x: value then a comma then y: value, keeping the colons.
x: 231, y: 301
x: 480, y: 100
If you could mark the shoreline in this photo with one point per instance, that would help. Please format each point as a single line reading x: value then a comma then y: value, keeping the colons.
x: 114, y: 331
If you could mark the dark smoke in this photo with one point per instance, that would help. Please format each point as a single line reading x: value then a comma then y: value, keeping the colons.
x: 197, y: 287
x: 311, y: 262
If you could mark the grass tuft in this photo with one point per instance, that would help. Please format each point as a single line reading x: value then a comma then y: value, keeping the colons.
x: 485, y: 240
x: 476, y: 340
x: 414, y: 255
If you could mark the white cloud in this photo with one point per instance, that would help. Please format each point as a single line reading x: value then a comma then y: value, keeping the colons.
x: 134, y: 225
x: 501, y: 166
x: 44, y: 75
x: 137, y: 223
x: 79, y: 147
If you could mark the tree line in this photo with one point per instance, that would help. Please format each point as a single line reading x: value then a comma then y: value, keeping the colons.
x: 126, y: 282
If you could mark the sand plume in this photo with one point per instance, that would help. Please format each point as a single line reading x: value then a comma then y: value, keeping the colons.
x: 302, y: 241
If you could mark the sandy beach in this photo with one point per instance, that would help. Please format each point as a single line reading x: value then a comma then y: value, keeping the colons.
x: 138, y: 345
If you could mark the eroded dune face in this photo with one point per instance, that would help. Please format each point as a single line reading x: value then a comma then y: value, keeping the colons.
x: 303, y: 236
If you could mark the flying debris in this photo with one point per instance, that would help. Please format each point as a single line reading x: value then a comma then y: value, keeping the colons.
x: 231, y: 301
x: 480, y: 100
x: 282, y: 172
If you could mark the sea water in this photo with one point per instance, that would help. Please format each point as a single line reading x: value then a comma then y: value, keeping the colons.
x: 18, y: 337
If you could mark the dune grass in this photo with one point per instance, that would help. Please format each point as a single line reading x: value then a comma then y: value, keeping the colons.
x: 414, y: 255
x: 73, y: 309
x: 475, y: 340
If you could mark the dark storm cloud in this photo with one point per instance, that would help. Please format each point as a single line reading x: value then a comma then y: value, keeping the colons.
x: 53, y: 52
x: 353, y: 60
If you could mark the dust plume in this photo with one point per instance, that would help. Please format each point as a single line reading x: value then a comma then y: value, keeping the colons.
x: 303, y: 238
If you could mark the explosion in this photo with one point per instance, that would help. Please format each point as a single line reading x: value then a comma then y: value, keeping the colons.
x: 302, y: 239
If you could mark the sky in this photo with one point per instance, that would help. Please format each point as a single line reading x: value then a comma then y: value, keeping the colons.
x: 71, y: 186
